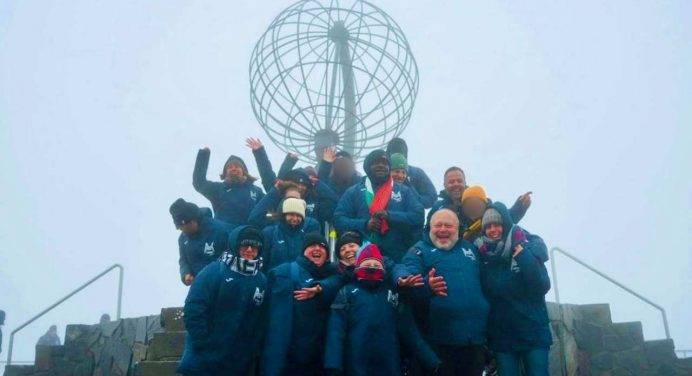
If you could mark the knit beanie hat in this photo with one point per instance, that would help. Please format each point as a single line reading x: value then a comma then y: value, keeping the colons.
x: 474, y: 191
x: 397, y: 145
x: 249, y: 236
x: 183, y: 212
x: 298, y: 176
x: 369, y: 252
x: 372, y: 157
x: 397, y: 161
x: 347, y: 238
x: 293, y: 205
x: 491, y: 216
x: 315, y: 238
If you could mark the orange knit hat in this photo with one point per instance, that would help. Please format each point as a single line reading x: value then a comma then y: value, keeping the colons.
x: 474, y: 191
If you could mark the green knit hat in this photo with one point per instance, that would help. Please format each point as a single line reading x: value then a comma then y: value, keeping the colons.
x: 398, y: 162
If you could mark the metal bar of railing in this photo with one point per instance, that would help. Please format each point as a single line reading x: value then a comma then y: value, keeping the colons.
x: 608, y: 278
x: 71, y: 294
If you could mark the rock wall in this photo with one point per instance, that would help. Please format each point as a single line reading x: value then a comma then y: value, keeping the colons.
x: 98, y: 350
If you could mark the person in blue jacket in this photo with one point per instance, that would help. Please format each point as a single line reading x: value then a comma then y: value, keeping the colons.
x: 235, y: 196
x: 451, y: 198
x: 202, y: 239
x: 224, y: 311
x: 385, y: 212
x: 320, y: 199
x: 515, y: 282
x: 284, y: 240
x: 298, y: 312
x: 264, y: 166
x: 338, y: 170
x: 418, y: 178
x: 457, y: 310
x: 367, y: 324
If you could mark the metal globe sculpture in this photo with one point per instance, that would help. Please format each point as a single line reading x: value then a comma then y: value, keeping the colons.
x: 332, y: 73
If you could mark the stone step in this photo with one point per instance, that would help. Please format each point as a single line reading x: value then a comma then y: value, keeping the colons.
x: 172, y: 319
x: 630, y: 329
x: 595, y: 313
x: 166, y: 346
x: 156, y: 368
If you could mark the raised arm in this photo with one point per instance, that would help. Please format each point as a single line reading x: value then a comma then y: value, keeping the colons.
x: 199, y: 175
x: 264, y: 166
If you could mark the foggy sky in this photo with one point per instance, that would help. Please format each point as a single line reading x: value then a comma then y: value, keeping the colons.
x: 103, y: 106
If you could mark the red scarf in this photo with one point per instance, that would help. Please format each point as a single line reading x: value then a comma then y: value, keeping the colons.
x: 380, y: 201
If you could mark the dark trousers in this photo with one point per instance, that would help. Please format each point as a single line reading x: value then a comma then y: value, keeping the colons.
x: 534, y: 362
x: 461, y: 360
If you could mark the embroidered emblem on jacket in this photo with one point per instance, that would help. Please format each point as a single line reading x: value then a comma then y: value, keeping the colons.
x: 209, y: 248
x: 396, y: 196
x: 393, y: 298
x: 258, y: 298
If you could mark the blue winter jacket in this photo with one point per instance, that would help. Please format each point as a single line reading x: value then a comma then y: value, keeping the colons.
x: 364, y: 330
x: 320, y: 203
x: 460, y: 318
x: 405, y: 213
x: 284, y: 243
x: 224, y: 320
x: 516, y: 291
x: 295, y: 339
x: 231, y: 203
x: 199, y: 249
x: 324, y: 173
x: 423, y: 186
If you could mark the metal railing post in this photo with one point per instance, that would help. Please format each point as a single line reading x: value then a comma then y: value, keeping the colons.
x: 609, y: 279
x: 60, y: 301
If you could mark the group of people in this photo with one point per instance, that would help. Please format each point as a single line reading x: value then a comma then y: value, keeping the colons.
x: 406, y: 294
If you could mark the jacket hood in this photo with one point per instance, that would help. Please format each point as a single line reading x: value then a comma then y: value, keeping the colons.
x: 507, y: 221
x: 371, y: 158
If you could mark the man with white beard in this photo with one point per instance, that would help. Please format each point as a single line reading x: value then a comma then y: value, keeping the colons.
x: 457, y: 309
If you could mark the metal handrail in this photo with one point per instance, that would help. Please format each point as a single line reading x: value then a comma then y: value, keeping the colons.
x: 75, y: 291
x: 610, y: 279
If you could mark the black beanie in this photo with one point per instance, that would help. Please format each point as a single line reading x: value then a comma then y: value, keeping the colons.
x: 183, y: 212
x: 315, y: 238
x: 298, y: 176
x: 397, y: 145
x: 249, y: 236
x: 344, y: 154
x: 348, y: 237
x: 372, y: 157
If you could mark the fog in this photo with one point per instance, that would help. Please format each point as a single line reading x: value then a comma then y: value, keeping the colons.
x: 103, y: 106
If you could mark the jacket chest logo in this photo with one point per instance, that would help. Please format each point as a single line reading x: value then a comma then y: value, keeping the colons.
x: 310, y: 207
x: 253, y: 195
x: 393, y: 298
x: 469, y: 253
x: 396, y: 196
x: 209, y: 248
x: 258, y: 298
x: 229, y: 279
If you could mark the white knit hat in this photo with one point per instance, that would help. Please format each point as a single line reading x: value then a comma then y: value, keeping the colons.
x: 293, y: 205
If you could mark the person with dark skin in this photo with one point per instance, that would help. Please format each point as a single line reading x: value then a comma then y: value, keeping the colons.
x: 234, y: 196
x: 383, y: 211
x: 202, y: 239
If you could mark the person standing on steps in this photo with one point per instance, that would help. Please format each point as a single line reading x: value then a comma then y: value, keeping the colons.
x: 225, y: 310
x: 202, y: 239
x: 419, y: 179
x: 51, y: 337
